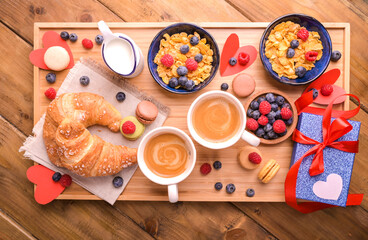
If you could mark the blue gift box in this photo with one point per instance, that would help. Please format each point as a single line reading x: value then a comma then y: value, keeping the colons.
x: 338, y: 165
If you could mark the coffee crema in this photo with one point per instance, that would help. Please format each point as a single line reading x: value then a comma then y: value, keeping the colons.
x: 216, y: 119
x: 166, y: 155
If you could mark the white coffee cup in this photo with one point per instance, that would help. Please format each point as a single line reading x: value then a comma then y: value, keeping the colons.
x: 172, y: 182
x: 241, y: 133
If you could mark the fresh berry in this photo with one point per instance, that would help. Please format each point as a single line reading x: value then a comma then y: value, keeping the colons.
x: 50, y: 93
x: 254, y: 105
x: 65, y: 180
x: 250, y: 192
x: 311, y: 56
x: 261, y: 99
x: 300, y: 71
x: 260, y: 132
x: 120, y: 96
x: 271, y: 120
x: 84, y: 80
x: 303, y: 34
x: 286, y: 105
x: 271, y: 115
x: 262, y: 120
x: 326, y: 90
x: 278, y: 114
x: 173, y: 82
x: 290, y: 53
x: 218, y: 186
x: 243, y: 58
x: 270, y: 97
x: 205, y: 168
x: 230, y: 188
x: 118, y: 181
x: 294, y: 43
x: 73, y: 37
x: 254, y: 158
x: 64, y: 35
x: 280, y: 100
x: 198, y: 58
x: 271, y: 135
x: 286, y: 113
x: 191, y: 64
x: 189, y: 85
x: 335, y: 56
x: 266, y: 136
x: 289, y: 121
x: 224, y: 86
x: 268, y: 127
x: 252, y: 124
x: 182, y: 71
x: 88, y: 44
x: 194, y: 40
x: 232, y: 61
x: 256, y: 114
x: 274, y: 107
x: 51, y: 77
x: 264, y: 107
x: 167, y: 60
x: 283, y: 133
x: 56, y: 177
x: 217, y: 165
x: 184, y: 49
x: 183, y: 80
x: 128, y: 127
x: 279, y: 126
x: 315, y: 92
x: 249, y: 112
x: 99, y: 39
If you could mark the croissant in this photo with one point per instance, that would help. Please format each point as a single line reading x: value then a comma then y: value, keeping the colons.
x: 69, y: 144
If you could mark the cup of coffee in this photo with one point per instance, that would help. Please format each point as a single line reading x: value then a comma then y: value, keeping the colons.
x: 167, y: 156
x: 217, y: 119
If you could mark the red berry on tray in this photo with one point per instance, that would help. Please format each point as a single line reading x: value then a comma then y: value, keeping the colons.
x: 303, y: 34
x: 254, y: 158
x: 263, y: 120
x: 286, y: 113
x: 167, y: 60
x: 205, y: 168
x: 191, y: 64
x: 311, y: 56
x: 252, y: 124
x: 65, y: 180
x: 50, y: 93
x: 264, y: 108
x: 243, y: 58
x: 326, y: 90
x: 88, y: 44
x: 279, y: 126
x: 128, y: 127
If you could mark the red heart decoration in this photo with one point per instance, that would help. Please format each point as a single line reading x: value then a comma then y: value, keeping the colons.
x: 46, y: 189
x: 50, y: 39
x: 231, y: 49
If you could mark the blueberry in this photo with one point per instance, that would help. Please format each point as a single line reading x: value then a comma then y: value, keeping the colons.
x: 198, y: 58
x: 294, y: 44
x: 267, y: 128
x: 232, y: 61
x: 120, y: 96
x: 249, y: 112
x: 173, y: 82
x: 256, y: 114
x: 184, y: 49
x: 84, y: 80
x: 315, y: 93
x: 250, y: 192
x: 286, y: 105
x: 118, y: 181
x: 266, y: 137
x: 99, y: 39
x: 254, y: 105
x: 51, y: 77
x: 271, y: 115
x: 274, y: 107
x: 224, y: 86
x: 300, y: 71
x: 56, y: 177
x: 282, y: 134
x: 73, y: 37
x: 270, y: 97
x: 271, y: 121
x: 271, y: 134
x: 194, y: 40
x: 230, y: 188
x: 290, y: 53
x: 217, y: 165
x: 189, y: 85
x: 64, y: 35
x: 218, y: 186
x: 278, y: 114
x: 280, y: 100
x: 289, y: 121
x: 261, y: 99
x: 182, y: 70
x: 335, y: 56
x: 260, y: 132
x: 183, y: 80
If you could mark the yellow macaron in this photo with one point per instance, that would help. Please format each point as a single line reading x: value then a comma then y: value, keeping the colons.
x: 268, y: 171
x: 131, y: 128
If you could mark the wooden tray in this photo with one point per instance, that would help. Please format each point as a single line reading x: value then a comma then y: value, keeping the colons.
x: 196, y: 187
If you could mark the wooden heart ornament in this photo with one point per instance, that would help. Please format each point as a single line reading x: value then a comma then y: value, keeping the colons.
x: 46, y: 189
x: 232, y: 49
x: 49, y: 39
x: 331, y: 189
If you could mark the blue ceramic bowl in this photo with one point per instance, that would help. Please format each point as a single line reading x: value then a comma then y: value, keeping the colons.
x: 311, y: 24
x: 190, y: 29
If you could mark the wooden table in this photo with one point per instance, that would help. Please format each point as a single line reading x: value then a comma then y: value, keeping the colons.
x: 22, y: 218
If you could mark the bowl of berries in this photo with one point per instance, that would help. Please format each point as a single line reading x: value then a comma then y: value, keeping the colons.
x: 183, y: 58
x: 271, y: 116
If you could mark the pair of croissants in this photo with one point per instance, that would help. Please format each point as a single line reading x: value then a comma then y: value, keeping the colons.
x: 69, y: 144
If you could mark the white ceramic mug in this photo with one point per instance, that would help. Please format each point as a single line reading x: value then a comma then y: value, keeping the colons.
x: 120, y: 53
x: 172, y: 182
x: 241, y: 133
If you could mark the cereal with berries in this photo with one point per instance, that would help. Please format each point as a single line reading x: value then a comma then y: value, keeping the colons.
x: 184, y: 60
x: 292, y: 49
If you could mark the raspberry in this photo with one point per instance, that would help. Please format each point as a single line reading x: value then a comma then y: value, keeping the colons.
x: 128, y: 127
x: 205, y: 168
x: 326, y: 90
x: 279, y: 126
x: 191, y: 64
x: 263, y: 120
x: 254, y: 158
x: 243, y: 58
x: 311, y: 56
x: 88, y: 44
x: 303, y: 34
x: 264, y: 108
x: 252, y: 124
x: 65, y: 180
x: 167, y: 60
x: 286, y: 113
x: 50, y: 93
